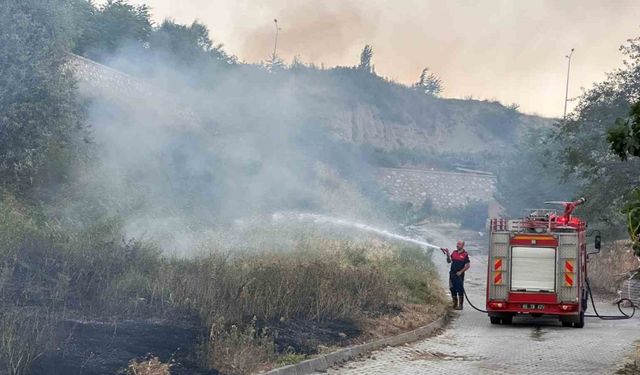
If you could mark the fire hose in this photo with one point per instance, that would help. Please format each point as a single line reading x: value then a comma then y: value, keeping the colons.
x: 618, y: 303
x: 596, y: 315
x: 471, y: 304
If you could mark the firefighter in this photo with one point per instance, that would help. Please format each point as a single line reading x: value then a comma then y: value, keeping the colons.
x: 460, y: 263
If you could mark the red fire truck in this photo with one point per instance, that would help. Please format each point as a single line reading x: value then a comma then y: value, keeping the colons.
x: 538, y: 266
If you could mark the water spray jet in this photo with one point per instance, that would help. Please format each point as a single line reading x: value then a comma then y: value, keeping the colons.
x: 323, y: 219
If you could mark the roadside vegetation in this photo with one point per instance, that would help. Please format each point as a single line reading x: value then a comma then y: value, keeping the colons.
x: 248, y: 302
x: 610, y: 268
x: 632, y: 363
x: 151, y: 366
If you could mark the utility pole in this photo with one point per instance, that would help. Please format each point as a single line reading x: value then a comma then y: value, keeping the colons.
x: 275, y: 44
x: 566, y: 92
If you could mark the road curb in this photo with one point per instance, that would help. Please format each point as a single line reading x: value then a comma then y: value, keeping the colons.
x: 323, y: 362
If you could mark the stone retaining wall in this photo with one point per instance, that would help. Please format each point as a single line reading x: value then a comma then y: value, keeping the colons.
x: 445, y: 189
x: 100, y: 81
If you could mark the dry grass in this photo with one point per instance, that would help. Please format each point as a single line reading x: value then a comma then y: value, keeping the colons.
x: 236, y: 350
x: 317, y: 279
x: 275, y: 286
x: 46, y: 273
x: 151, y: 366
x: 24, y: 335
x: 411, y: 317
x: 630, y: 368
x: 632, y: 364
x: 609, y: 269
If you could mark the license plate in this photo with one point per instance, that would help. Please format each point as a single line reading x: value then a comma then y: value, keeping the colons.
x: 532, y: 307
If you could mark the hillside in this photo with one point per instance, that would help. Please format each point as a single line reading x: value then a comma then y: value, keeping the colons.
x: 363, y: 108
x: 352, y: 106
x: 253, y: 140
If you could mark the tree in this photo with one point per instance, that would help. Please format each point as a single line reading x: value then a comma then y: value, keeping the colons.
x: 429, y: 83
x: 624, y: 139
x: 275, y: 63
x: 112, y: 25
x: 297, y: 63
x: 40, y: 118
x: 365, y: 59
x: 586, y: 154
x: 531, y: 176
x: 187, y: 44
x: 632, y: 212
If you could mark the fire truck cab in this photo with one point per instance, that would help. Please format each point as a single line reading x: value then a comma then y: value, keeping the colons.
x: 538, y: 266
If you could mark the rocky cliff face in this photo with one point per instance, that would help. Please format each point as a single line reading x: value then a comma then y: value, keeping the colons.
x: 447, y: 125
x: 363, y: 125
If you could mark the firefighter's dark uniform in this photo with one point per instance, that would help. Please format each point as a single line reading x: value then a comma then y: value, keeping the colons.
x: 458, y: 260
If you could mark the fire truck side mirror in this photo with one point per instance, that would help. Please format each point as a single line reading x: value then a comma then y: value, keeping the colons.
x: 598, y: 242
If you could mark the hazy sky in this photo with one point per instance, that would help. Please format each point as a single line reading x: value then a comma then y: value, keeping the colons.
x: 509, y: 50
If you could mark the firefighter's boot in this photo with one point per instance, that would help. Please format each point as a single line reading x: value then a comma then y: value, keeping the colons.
x: 460, y: 302
x: 454, y: 298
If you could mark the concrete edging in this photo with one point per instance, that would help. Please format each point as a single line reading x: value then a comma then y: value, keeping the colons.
x: 323, y: 362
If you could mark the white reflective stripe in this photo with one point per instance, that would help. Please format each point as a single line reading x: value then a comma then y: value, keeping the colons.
x: 533, y: 268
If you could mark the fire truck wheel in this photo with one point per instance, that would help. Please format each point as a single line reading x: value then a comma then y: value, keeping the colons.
x: 494, y: 320
x: 580, y: 323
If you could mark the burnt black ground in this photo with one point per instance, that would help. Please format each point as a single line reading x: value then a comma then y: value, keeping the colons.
x: 103, y: 347
x: 304, y: 336
x: 98, y: 347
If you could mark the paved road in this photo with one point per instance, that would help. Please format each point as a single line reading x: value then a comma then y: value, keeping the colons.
x: 471, y: 345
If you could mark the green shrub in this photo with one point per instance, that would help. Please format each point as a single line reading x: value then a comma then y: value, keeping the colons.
x: 473, y: 215
x: 291, y: 359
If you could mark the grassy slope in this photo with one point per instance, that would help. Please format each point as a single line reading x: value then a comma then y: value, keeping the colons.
x: 240, y: 297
